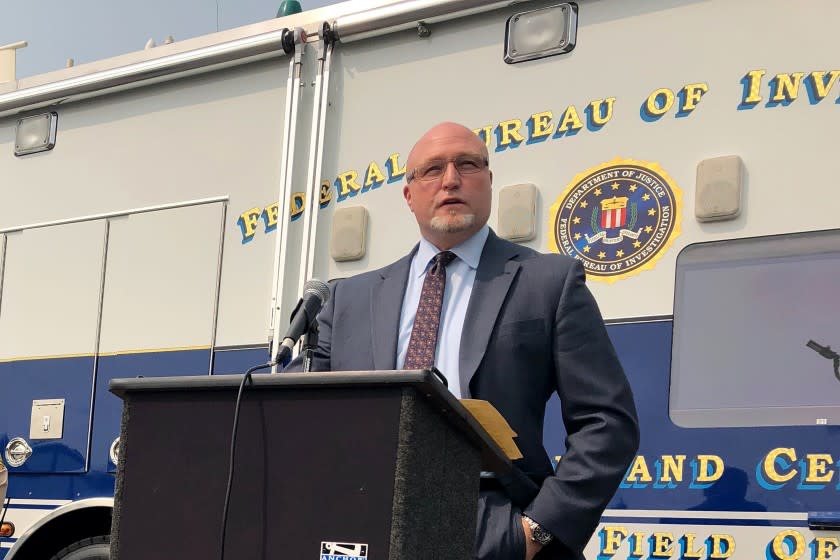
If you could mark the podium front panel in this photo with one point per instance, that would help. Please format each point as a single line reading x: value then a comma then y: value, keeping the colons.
x: 309, y: 468
x: 371, y: 469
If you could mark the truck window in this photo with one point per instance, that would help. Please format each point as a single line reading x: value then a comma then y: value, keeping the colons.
x: 755, y: 322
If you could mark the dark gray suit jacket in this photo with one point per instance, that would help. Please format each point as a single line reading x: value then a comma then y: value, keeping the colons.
x: 532, y: 328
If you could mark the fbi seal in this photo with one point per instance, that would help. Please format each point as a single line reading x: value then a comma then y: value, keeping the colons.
x: 617, y: 218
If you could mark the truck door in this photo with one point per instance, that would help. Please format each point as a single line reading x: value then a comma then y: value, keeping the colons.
x: 48, y: 328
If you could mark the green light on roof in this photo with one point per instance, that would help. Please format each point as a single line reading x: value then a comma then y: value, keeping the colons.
x: 289, y: 7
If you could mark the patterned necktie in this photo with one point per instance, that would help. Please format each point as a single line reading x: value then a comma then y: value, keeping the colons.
x: 421, y: 346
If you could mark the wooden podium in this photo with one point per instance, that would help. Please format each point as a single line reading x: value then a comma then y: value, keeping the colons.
x: 325, y: 463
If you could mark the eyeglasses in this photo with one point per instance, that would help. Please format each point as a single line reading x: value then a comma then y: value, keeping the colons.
x: 435, y: 169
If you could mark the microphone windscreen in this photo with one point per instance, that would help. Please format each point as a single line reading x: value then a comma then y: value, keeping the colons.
x: 317, y: 288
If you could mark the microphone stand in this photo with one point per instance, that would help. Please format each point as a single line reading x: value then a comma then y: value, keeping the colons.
x: 827, y: 353
x: 309, y: 342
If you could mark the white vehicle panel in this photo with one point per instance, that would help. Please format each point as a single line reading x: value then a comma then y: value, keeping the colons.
x: 51, y: 286
x: 160, y: 280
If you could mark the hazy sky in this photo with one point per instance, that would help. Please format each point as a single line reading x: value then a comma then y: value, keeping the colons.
x: 87, y: 30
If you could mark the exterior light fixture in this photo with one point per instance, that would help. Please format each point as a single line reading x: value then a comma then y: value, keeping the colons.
x: 541, y: 33
x: 36, y: 134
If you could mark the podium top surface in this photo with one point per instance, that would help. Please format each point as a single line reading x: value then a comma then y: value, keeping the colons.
x: 420, y: 379
x: 423, y: 381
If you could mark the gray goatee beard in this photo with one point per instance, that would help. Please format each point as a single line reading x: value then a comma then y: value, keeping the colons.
x: 454, y: 223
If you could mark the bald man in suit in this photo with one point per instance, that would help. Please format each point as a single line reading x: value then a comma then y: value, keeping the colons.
x: 515, y: 327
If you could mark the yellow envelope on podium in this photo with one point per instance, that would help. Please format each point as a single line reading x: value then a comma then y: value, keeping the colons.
x: 495, y: 425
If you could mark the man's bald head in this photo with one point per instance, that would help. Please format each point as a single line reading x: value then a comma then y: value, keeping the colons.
x: 451, y: 194
x: 440, y: 132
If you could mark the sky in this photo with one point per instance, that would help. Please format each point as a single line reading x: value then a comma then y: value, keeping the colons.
x: 88, y: 30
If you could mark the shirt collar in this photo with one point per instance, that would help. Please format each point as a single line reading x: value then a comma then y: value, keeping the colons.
x: 469, y: 251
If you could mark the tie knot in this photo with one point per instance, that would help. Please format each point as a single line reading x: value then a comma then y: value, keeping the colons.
x: 444, y: 258
x: 440, y: 262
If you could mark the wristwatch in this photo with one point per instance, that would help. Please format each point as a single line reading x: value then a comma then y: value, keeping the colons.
x: 538, y: 534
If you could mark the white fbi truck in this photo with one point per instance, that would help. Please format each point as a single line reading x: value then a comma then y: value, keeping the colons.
x: 161, y: 211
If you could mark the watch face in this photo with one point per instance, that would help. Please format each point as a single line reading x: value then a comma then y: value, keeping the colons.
x: 538, y: 534
x: 541, y: 535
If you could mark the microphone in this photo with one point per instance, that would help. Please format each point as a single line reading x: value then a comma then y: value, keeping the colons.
x: 315, y: 295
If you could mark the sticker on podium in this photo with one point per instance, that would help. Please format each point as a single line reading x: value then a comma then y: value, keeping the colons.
x: 343, y: 551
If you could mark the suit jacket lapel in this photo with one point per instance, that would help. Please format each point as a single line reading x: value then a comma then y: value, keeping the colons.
x: 386, y: 299
x: 493, y: 279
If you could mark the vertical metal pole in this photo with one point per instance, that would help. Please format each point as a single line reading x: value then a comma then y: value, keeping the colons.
x: 285, y: 194
x: 316, y: 152
x: 2, y: 268
x: 96, y: 343
x: 218, y: 290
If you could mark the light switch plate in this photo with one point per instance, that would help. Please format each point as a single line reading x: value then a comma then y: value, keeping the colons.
x: 47, y: 419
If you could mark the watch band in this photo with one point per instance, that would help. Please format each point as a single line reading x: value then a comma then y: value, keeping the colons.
x: 538, y: 534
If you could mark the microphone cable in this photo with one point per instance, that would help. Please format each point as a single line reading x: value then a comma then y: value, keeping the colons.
x: 246, y: 378
x: 5, y: 509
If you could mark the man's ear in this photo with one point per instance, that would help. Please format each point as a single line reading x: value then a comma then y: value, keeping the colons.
x: 407, y: 196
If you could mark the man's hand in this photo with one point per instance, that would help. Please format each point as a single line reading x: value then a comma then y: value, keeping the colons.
x: 531, y: 547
